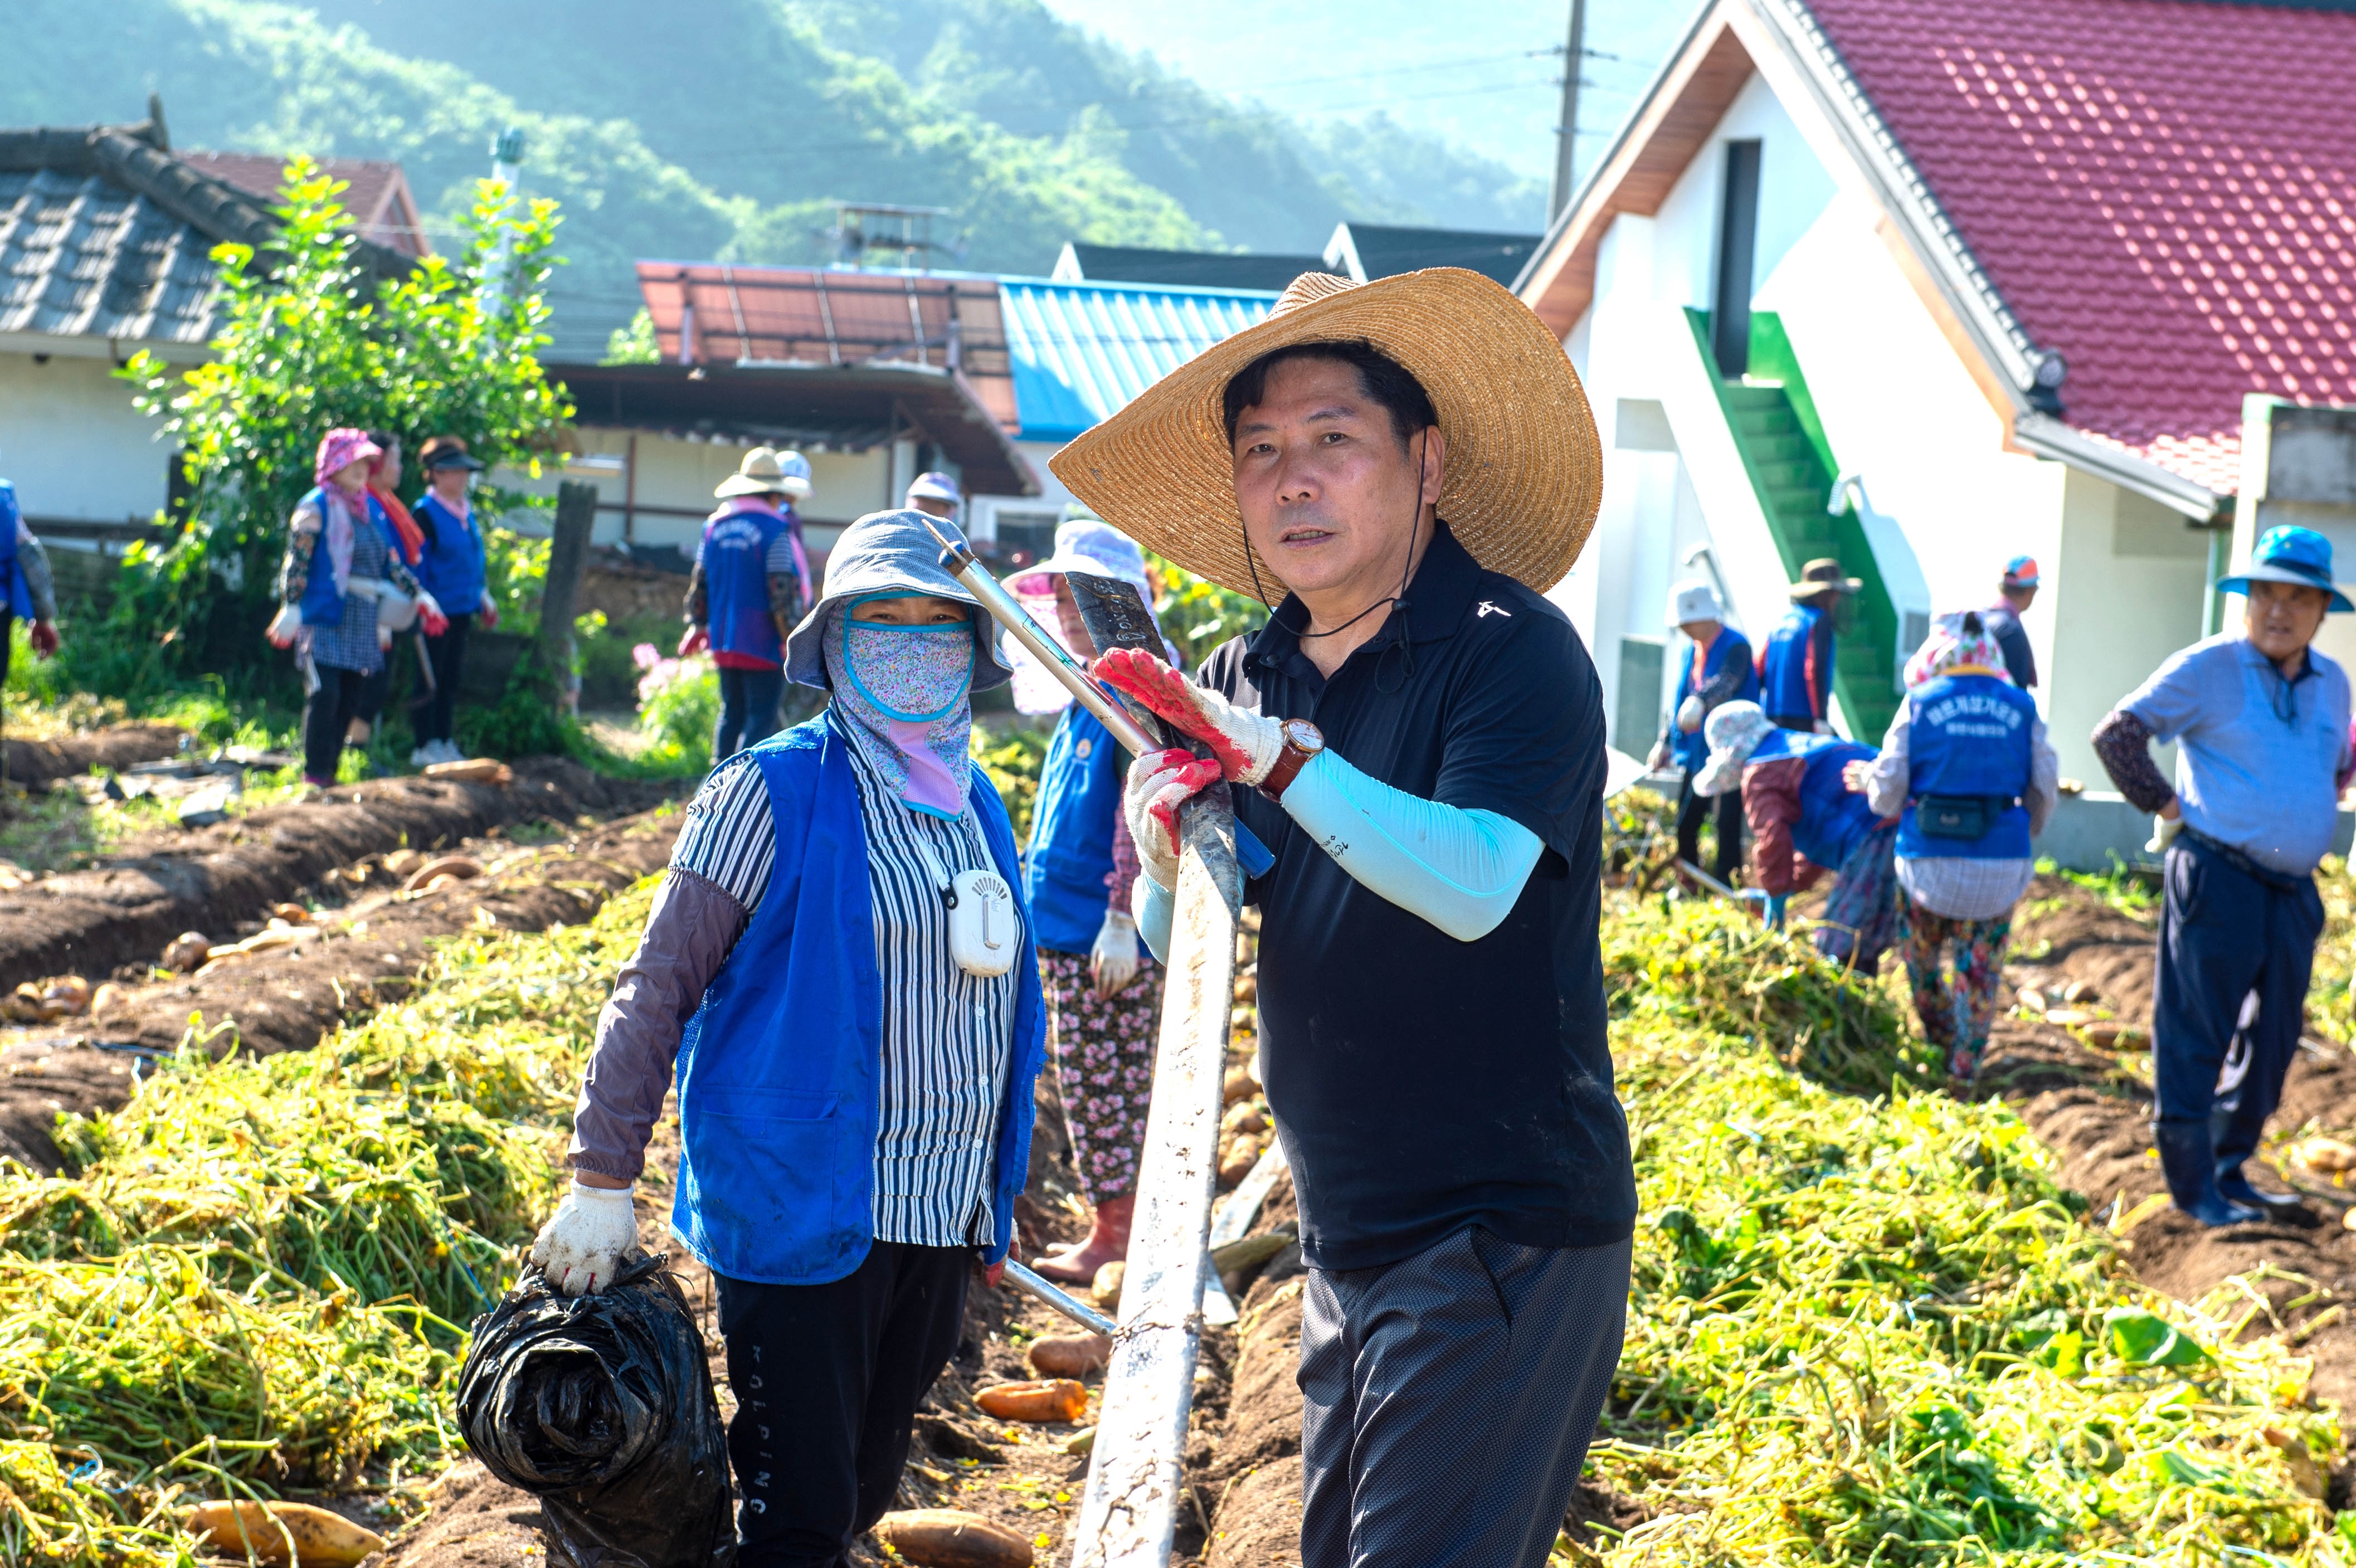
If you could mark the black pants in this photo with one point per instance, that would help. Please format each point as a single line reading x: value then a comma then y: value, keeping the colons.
x: 448, y: 653
x: 1447, y: 1399
x: 1692, y: 806
x: 827, y: 1379
x: 1805, y: 723
x: 748, y: 710
x: 2223, y: 934
x: 379, y: 686
x: 326, y: 714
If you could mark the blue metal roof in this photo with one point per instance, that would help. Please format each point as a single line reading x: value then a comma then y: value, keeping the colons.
x: 1080, y: 352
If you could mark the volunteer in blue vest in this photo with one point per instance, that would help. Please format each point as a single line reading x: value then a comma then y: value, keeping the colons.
x: 1967, y: 762
x: 1405, y: 467
x: 336, y: 565
x: 1104, y: 994
x: 740, y: 598
x: 456, y: 570
x: 839, y: 966
x: 1795, y: 676
x: 2260, y: 722
x: 1715, y: 670
x: 1808, y: 818
x: 2015, y: 593
x: 29, y: 593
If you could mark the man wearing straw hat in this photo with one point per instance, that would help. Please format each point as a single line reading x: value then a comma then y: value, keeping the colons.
x: 1406, y: 465
x: 1796, y: 674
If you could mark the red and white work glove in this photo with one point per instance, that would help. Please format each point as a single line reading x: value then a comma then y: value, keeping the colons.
x: 43, y: 637
x: 489, y: 612
x: 1245, y: 743
x: 695, y: 640
x: 580, y: 1249
x: 1159, y: 783
x: 430, y: 616
x: 1113, y: 962
x: 284, y: 626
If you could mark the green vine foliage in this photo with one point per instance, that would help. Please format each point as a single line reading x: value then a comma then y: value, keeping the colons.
x: 310, y: 343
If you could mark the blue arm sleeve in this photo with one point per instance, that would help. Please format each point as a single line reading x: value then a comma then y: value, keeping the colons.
x: 1153, y: 904
x: 1462, y: 870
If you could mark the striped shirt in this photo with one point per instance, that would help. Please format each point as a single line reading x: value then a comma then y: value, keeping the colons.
x: 946, y: 1034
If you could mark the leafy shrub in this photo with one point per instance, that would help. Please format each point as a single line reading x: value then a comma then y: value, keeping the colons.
x: 678, y: 703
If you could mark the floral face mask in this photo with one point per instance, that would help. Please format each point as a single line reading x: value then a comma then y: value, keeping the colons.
x: 905, y: 690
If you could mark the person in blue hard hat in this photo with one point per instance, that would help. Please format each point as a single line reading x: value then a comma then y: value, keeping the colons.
x: 742, y: 593
x: 2015, y: 593
x: 839, y: 973
x: 2260, y: 722
x: 1715, y: 670
x: 1807, y: 817
x: 1104, y: 991
x: 1796, y: 675
x: 1968, y: 763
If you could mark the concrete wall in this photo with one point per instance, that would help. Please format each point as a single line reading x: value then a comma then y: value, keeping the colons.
x: 73, y: 444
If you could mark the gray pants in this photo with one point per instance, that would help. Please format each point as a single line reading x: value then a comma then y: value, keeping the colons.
x: 1448, y: 1398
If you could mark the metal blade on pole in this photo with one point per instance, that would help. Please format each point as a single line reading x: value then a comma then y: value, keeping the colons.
x: 1062, y: 1300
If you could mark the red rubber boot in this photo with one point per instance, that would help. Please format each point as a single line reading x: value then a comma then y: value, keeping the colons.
x: 1108, y: 1242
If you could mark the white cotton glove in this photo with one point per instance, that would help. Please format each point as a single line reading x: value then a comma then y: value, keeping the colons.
x: 1690, y: 714
x: 1159, y: 783
x: 284, y: 625
x: 1247, y: 743
x: 2163, y: 833
x: 581, y: 1246
x: 1112, y: 963
x: 1660, y: 756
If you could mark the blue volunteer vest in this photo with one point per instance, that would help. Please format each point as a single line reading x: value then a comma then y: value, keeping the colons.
x: 1072, y: 832
x: 451, y: 566
x: 735, y: 556
x: 1785, y: 692
x: 1692, y: 750
x: 1970, y: 735
x: 20, y: 594
x: 779, y: 1071
x: 1834, y: 818
x: 322, y: 606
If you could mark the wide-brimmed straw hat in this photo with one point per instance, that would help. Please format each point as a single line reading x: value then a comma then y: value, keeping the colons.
x: 767, y: 472
x: 1823, y: 576
x: 1525, y: 469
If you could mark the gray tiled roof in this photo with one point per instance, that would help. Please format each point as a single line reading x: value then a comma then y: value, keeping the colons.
x: 103, y: 234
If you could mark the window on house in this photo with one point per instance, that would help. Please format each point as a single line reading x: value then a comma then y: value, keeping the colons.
x: 1738, y: 240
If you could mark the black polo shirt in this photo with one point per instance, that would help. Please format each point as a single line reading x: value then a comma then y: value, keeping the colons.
x: 1422, y: 1084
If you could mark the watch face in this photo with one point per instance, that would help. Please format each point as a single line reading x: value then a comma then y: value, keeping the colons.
x: 1304, y: 735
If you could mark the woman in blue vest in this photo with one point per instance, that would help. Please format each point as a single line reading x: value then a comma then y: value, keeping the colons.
x: 1721, y: 674
x: 742, y: 593
x: 1104, y: 994
x: 839, y: 966
x: 1967, y: 762
x: 456, y: 569
x: 1796, y: 674
x: 336, y: 565
x: 1806, y: 818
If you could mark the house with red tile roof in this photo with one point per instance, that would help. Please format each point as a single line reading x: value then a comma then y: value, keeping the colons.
x: 1930, y: 283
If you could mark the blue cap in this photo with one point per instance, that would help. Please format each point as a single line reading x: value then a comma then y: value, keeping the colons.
x: 2296, y: 555
x: 2020, y: 572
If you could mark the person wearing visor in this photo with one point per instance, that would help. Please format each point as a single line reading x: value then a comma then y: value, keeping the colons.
x: 2015, y: 593
x: 457, y: 569
x: 1715, y: 670
x: 1405, y: 467
x: 2260, y: 722
x: 1796, y: 675
x: 1967, y: 764
x: 1801, y: 794
x: 1104, y: 994
x: 840, y: 968
x: 741, y: 596
x: 337, y: 565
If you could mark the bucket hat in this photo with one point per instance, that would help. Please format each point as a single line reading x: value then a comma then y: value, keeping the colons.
x: 2298, y: 555
x: 1525, y: 468
x: 341, y: 447
x: 1694, y: 600
x: 1091, y: 545
x: 935, y: 487
x: 1824, y: 575
x: 1734, y: 731
x: 888, y: 553
x: 767, y: 472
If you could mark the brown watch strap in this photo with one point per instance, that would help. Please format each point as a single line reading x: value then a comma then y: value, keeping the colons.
x: 1288, y: 763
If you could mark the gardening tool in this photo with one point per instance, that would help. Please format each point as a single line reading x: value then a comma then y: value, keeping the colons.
x: 1063, y: 1300
x: 1128, y: 1513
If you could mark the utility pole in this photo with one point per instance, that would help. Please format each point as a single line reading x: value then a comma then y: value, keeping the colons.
x: 1565, y: 149
x: 506, y: 168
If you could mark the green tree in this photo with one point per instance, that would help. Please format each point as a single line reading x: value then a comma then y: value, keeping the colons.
x: 310, y: 344
x: 634, y: 344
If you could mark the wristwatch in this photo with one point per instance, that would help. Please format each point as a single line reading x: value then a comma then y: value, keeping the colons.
x: 1302, y: 741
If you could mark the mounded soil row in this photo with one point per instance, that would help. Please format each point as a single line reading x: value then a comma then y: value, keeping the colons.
x: 208, y: 880
x: 367, y: 955
x: 32, y: 762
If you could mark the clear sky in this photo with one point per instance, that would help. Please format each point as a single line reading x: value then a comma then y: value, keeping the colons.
x: 1477, y: 71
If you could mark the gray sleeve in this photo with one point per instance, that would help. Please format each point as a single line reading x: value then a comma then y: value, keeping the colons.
x: 730, y: 838
x: 39, y: 580
x: 2044, y: 779
x: 690, y: 931
x: 1887, y: 780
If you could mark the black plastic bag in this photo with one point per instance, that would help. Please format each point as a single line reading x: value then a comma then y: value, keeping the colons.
x: 602, y: 1407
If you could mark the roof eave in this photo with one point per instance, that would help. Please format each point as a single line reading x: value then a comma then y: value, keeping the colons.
x: 2049, y: 437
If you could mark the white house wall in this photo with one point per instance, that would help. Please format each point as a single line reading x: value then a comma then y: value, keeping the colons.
x: 73, y: 444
